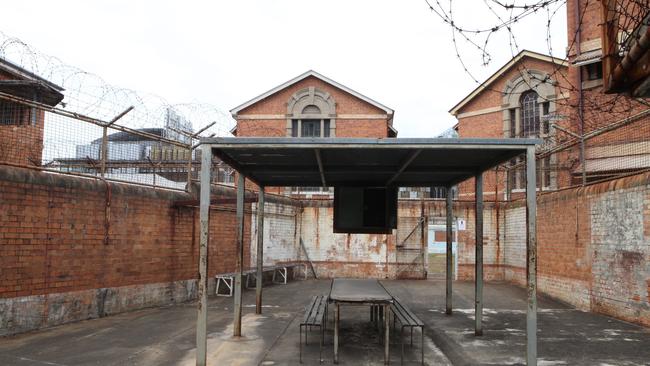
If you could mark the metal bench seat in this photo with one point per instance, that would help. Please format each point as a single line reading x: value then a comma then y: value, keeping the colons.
x: 407, y: 319
x: 227, y: 280
x: 315, y: 316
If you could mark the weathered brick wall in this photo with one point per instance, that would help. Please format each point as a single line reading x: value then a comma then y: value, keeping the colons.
x: 362, y: 255
x: 281, y: 230
x: 64, y: 256
x: 493, y: 241
x: 593, y: 246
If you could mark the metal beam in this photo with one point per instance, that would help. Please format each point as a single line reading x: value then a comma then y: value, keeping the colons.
x: 240, y: 256
x: 204, y: 216
x: 116, y: 118
x: 260, y: 252
x: 404, y: 165
x: 478, y: 258
x: 449, y: 250
x: 531, y: 258
x: 320, y: 167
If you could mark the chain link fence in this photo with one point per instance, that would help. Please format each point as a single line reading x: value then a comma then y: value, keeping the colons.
x: 604, y: 151
x: 38, y: 136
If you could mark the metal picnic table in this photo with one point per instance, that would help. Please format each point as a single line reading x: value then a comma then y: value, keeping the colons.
x: 360, y: 292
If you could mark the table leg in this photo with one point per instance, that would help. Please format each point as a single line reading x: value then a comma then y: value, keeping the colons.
x: 386, y: 335
x: 336, y: 333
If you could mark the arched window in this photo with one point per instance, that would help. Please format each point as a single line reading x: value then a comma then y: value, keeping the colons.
x: 530, y: 114
x: 311, y: 113
x: 311, y: 109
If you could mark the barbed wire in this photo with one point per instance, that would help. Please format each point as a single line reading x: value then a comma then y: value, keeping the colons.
x: 89, y: 94
x: 501, y: 17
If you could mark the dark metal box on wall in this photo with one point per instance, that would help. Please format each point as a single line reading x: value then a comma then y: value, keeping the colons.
x: 365, y: 210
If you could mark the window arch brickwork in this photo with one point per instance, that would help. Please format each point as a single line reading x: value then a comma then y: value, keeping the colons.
x: 309, y: 106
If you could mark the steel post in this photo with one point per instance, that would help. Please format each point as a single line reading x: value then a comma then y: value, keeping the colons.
x: 531, y: 258
x: 204, y: 215
x: 449, y: 250
x: 260, y: 251
x: 189, y: 169
x: 104, y: 152
x: 478, y: 260
x: 240, y: 256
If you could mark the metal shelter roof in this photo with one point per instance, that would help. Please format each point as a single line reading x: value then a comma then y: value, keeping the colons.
x: 331, y: 162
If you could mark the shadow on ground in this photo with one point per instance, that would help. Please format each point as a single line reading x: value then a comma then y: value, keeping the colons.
x: 166, y: 336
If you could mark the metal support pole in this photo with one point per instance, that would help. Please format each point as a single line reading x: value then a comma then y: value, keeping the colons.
x: 531, y: 259
x: 240, y: 255
x: 204, y: 215
x: 189, y: 169
x: 104, y: 152
x: 449, y: 249
x: 260, y: 251
x: 478, y: 260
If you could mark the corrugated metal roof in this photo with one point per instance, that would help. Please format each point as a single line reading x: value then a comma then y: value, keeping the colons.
x: 407, y: 162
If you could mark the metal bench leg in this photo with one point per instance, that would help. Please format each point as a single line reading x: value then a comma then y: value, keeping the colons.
x: 216, y: 291
x: 422, y: 343
x: 411, y: 336
x: 320, y: 353
x: 386, y: 336
x: 402, y: 337
x: 336, y: 333
x: 232, y: 280
x: 300, y: 342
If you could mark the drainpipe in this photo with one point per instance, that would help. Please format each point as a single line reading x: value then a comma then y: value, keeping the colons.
x: 580, y: 96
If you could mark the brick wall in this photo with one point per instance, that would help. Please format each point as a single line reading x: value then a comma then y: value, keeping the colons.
x: 593, y: 247
x: 281, y: 230
x: 362, y: 255
x: 64, y: 256
x: 479, y: 119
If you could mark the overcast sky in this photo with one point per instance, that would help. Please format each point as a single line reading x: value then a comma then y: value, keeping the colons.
x: 225, y: 53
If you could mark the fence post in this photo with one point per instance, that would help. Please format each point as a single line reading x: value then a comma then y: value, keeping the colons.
x: 104, y: 152
x: 189, y: 168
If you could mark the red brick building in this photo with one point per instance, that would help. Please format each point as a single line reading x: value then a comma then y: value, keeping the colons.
x: 513, y: 103
x: 599, y: 135
x: 21, y: 127
x: 312, y: 105
x: 627, y: 147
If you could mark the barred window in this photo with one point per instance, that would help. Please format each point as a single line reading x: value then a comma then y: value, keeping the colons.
x: 13, y: 113
x: 530, y: 114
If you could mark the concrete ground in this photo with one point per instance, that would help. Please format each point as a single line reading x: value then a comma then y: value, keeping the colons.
x: 166, y: 336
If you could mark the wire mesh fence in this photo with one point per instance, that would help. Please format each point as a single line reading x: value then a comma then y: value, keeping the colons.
x: 39, y: 136
x: 605, y: 151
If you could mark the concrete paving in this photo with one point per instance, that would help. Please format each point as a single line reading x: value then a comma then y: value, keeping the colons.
x: 166, y: 336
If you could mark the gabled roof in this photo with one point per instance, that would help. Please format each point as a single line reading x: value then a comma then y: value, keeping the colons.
x: 28, y: 83
x: 503, y: 70
x: 305, y: 75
